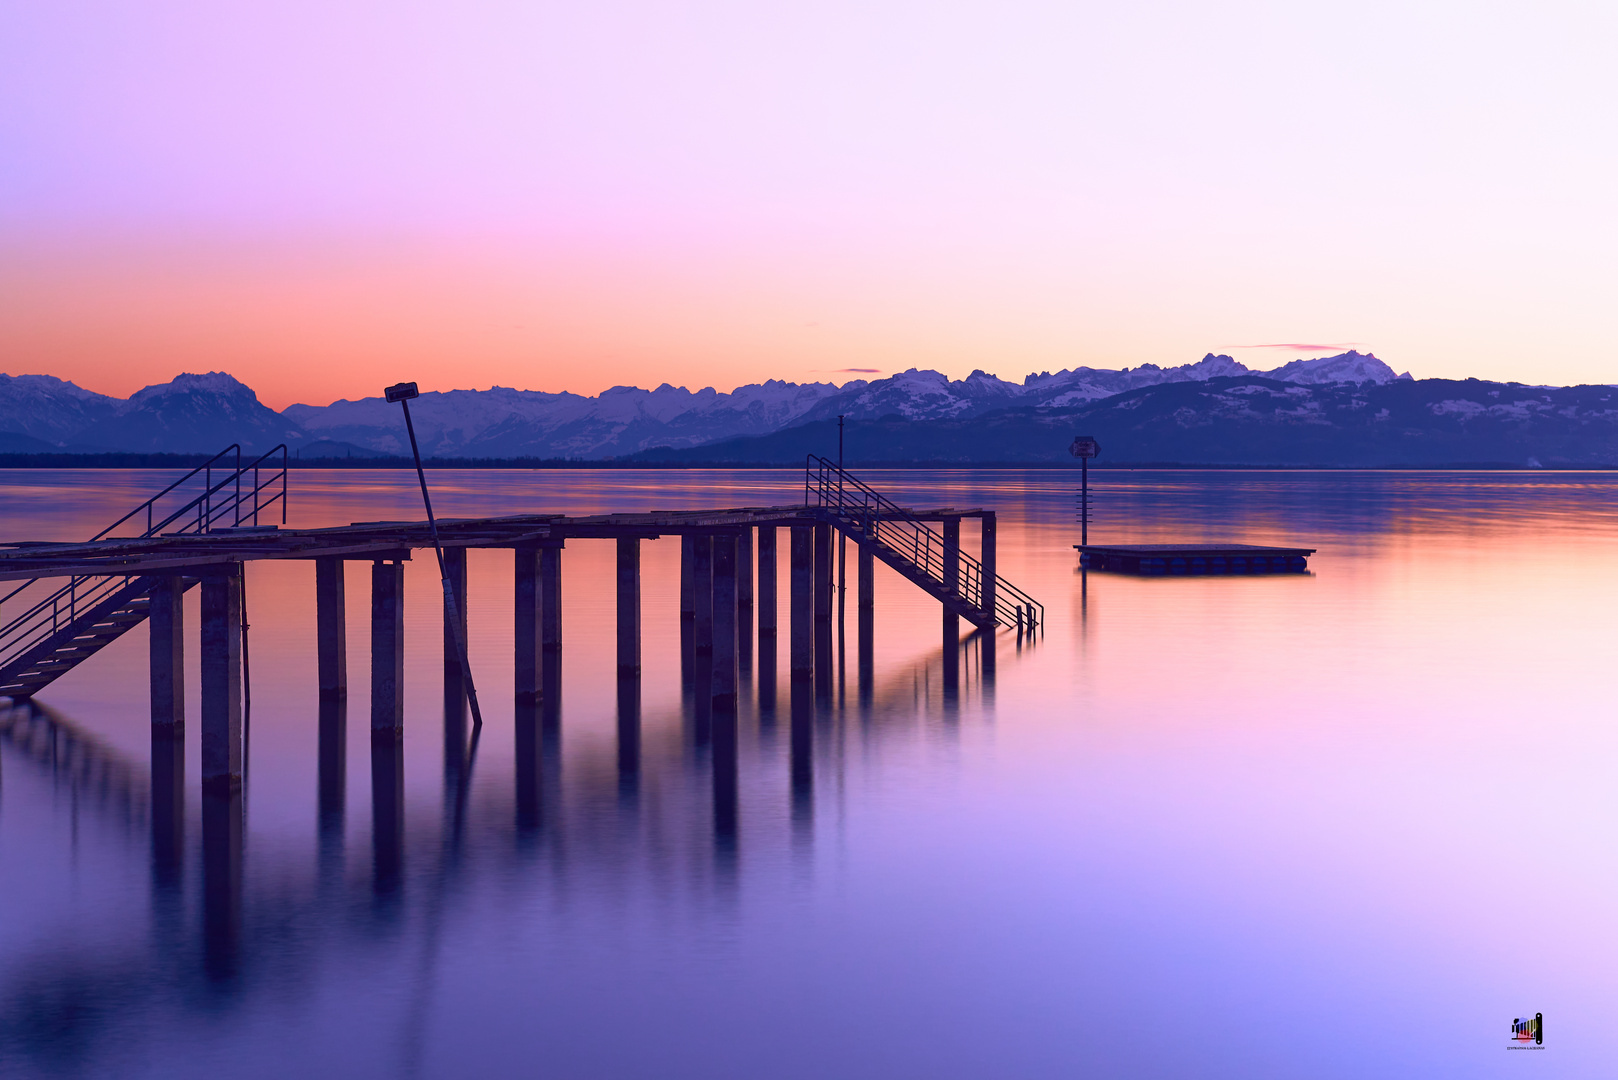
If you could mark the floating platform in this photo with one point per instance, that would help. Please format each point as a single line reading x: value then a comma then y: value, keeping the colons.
x: 1164, y: 559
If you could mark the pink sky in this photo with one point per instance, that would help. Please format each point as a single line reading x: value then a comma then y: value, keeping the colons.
x: 322, y: 199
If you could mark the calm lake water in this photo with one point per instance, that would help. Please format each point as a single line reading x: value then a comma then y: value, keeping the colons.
x: 1342, y: 824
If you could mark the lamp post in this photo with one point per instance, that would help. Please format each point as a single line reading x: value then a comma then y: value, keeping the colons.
x: 402, y: 393
x: 1084, y: 448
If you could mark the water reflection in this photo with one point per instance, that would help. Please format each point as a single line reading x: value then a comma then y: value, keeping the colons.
x: 248, y: 904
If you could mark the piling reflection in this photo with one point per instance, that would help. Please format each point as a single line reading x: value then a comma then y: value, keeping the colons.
x: 387, y: 816
x: 527, y: 751
x: 222, y: 882
x: 802, y: 764
x: 168, y: 806
x: 692, y: 790
x: 767, y: 675
x: 628, y: 737
x: 331, y: 785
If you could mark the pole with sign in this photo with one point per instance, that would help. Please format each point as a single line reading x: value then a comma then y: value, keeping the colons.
x: 1084, y: 448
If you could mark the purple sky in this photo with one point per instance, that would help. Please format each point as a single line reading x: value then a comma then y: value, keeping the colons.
x: 323, y: 197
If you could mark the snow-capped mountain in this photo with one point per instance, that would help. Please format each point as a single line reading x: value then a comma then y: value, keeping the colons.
x: 501, y: 422
x: 1349, y: 367
x: 191, y: 414
x: 1234, y: 420
x: 195, y: 413
x: 50, y: 410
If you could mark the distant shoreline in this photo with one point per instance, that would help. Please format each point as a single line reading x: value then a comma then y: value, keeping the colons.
x: 188, y: 461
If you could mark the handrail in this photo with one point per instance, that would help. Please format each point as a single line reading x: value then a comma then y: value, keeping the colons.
x: 201, y: 514
x: 150, y: 503
x: 868, y: 512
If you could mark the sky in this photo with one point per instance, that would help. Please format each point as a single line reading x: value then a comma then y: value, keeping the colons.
x: 323, y: 198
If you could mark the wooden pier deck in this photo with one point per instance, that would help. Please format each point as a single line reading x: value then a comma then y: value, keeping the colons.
x: 1176, y: 559
x: 372, y: 540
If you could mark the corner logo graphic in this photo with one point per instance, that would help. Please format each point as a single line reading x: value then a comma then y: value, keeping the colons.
x: 1530, y: 1029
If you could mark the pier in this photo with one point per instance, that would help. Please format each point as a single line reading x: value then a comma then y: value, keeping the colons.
x: 202, y: 530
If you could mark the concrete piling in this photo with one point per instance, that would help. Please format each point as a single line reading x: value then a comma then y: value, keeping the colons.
x: 765, y: 598
x: 803, y: 591
x: 629, y: 607
x: 454, y: 678
x: 989, y: 561
x: 744, y: 602
x: 167, y: 654
x: 525, y: 632
x: 702, y: 596
x: 331, y: 627
x: 952, y: 577
x: 222, y: 680
x: 550, y: 603
x: 724, y: 624
x: 387, y: 649
x: 823, y: 607
x: 867, y: 623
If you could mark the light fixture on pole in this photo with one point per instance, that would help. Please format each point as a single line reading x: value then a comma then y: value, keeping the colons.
x: 402, y: 393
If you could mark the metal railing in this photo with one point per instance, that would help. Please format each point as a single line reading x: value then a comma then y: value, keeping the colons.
x: 241, y: 495
x: 862, y: 511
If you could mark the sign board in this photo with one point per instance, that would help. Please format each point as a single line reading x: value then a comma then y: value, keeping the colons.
x: 1084, y: 446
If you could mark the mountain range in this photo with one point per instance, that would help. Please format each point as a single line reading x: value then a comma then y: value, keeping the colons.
x: 1349, y: 409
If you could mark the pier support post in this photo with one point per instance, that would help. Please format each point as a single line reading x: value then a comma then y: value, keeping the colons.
x: 702, y: 594
x: 823, y: 597
x: 803, y: 591
x: 525, y: 633
x: 767, y: 609
x: 744, y: 600
x: 724, y: 624
x: 331, y: 646
x: 550, y: 603
x: 952, y: 621
x: 867, y: 575
x: 989, y: 563
x: 688, y: 570
x: 628, y: 607
x: 387, y: 650
x: 331, y: 628
x: 222, y: 681
x: 167, y: 621
x: 867, y: 621
x: 688, y: 613
x: 454, y: 680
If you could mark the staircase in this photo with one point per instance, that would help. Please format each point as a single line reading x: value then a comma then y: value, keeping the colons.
x: 66, y: 626
x: 916, y: 550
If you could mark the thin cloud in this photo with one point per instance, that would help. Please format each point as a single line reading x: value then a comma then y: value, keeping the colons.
x: 850, y: 371
x: 1301, y: 347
